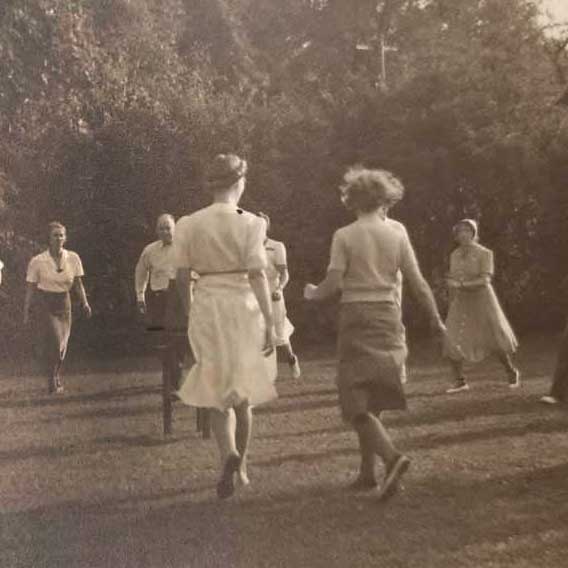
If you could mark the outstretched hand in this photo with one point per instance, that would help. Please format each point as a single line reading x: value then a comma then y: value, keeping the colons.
x: 269, y: 341
x: 87, y: 311
x: 310, y: 291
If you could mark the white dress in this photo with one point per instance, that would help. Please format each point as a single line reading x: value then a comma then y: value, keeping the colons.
x: 226, y: 327
x: 276, y: 255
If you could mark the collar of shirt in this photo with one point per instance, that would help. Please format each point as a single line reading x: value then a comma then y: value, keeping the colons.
x: 64, y: 256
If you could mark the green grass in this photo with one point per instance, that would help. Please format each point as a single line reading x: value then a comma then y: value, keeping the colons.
x: 87, y: 480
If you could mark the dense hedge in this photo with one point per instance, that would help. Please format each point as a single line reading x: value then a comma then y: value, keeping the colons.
x: 110, y: 109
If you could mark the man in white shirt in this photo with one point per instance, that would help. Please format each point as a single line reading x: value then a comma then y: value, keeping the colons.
x: 154, y: 270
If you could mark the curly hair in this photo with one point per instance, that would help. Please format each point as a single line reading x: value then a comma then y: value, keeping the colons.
x: 366, y: 190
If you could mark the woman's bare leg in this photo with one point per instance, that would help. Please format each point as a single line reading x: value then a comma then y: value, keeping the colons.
x: 223, y: 424
x: 243, y: 432
x: 512, y: 371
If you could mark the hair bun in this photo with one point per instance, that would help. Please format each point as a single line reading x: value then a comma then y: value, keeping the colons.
x: 225, y: 170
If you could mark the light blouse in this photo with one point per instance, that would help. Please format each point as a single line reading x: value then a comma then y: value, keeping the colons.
x: 43, y: 271
x: 373, y: 253
x: 156, y: 266
x: 471, y: 262
x: 220, y: 238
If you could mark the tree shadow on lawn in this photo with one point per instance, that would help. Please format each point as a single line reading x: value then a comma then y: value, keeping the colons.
x: 428, y: 442
x: 465, y: 409
x: 93, y: 446
x: 307, y: 393
x: 105, y: 395
x: 433, y: 519
x: 276, y: 408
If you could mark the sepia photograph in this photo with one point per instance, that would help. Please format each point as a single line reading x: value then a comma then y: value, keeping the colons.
x: 283, y: 283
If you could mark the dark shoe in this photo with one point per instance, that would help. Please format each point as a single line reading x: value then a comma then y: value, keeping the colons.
x: 515, y: 379
x: 392, y: 476
x: 295, y: 367
x: 226, y: 485
x: 362, y: 484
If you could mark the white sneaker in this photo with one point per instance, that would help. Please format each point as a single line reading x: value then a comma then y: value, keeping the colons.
x: 295, y: 368
x: 549, y: 400
x: 459, y: 387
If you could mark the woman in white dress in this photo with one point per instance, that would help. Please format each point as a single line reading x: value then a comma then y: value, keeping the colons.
x: 231, y: 328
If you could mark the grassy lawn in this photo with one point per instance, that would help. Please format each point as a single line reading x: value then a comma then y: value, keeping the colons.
x: 87, y: 480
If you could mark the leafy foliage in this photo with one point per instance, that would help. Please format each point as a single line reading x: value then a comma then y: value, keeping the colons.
x: 110, y: 108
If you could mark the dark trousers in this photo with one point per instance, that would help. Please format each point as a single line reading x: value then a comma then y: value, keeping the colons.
x: 559, y: 387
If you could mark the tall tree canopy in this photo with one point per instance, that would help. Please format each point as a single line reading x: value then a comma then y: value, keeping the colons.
x: 110, y: 109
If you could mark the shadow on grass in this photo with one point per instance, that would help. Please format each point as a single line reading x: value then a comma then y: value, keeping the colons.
x: 87, y: 448
x: 276, y: 408
x: 110, y: 394
x: 464, y: 409
x: 307, y: 393
x: 430, y: 523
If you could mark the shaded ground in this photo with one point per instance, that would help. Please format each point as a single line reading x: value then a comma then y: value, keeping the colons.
x: 87, y: 480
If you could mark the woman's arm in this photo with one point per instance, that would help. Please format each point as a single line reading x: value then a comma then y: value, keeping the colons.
x: 141, y: 279
x: 283, y: 276
x: 82, y: 295
x: 259, y: 285
x: 328, y: 287
x: 411, y: 271
x: 30, y: 291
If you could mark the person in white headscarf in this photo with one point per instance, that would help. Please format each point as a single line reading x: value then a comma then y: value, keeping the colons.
x: 476, y: 324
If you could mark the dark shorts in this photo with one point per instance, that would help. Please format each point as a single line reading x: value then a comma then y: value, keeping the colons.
x: 372, y: 353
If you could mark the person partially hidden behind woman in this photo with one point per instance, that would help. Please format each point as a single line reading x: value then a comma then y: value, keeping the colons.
x: 365, y: 260
x: 156, y: 267
x: 476, y: 324
x: 278, y: 278
x: 50, y: 278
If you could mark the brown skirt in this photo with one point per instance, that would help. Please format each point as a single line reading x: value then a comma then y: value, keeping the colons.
x: 372, y: 353
x: 53, y: 328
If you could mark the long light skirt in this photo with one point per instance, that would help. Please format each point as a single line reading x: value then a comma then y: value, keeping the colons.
x: 226, y: 332
x: 53, y: 329
x: 477, y: 326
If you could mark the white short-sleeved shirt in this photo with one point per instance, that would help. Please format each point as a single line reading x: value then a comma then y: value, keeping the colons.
x: 373, y: 253
x: 42, y: 270
x: 220, y: 238
x: 276, y: 256
x: 156, y: 266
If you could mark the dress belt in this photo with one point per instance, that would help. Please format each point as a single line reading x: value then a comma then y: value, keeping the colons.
x: 222, y: 272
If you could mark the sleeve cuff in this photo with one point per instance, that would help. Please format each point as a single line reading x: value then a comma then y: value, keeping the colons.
x: 140, y: 296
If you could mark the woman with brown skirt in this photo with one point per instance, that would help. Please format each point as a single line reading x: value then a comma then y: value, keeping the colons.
x: 50, y: 278
x: 366, y: 257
